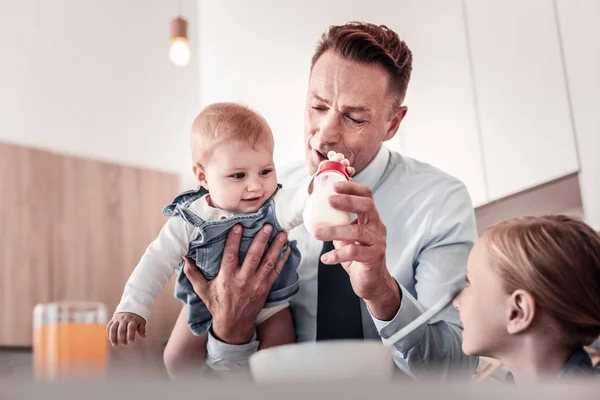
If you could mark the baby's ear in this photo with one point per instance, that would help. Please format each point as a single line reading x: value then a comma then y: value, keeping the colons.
x: 200, y: 175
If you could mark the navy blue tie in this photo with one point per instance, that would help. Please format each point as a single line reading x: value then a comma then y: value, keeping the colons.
x: 338, y: 307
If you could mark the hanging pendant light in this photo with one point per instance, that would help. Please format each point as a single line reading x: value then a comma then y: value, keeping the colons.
x: 179, y: 52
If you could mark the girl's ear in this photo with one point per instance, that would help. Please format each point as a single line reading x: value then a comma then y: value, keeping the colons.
x: 521, y: 312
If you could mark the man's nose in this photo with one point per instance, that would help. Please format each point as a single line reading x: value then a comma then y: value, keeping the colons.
x: 330, y: 129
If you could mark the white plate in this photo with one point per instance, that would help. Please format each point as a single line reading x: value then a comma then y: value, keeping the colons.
x: 326, y: 361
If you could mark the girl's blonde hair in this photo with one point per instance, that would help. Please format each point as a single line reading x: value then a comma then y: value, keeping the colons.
x: 557, y: 260
x: 229, y: 123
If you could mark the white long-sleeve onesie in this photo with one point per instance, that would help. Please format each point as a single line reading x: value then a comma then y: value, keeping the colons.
x: 162, y: 257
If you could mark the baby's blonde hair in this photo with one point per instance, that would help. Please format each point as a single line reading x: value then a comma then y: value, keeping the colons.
x: 228, y: 123
x: 557, y: 260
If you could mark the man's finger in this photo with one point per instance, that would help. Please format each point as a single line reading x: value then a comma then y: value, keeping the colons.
x: 352, y: 252
x: 198, y: 281
x: 269, y: 261
x: 363, y: 206
x: 270, y: 258
x: 350, y: 233
x: 256, y: 250
x: 352, y: 188
x: 230, y: 262
x: 274, y: 272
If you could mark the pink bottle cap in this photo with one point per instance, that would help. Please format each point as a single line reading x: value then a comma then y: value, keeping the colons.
x: 333, y: 166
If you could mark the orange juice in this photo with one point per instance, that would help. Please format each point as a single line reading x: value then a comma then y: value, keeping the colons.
x: 69, y: 341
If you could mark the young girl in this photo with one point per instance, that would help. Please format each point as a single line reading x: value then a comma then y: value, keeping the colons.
x: 232, y: 149
x: 532, y: 298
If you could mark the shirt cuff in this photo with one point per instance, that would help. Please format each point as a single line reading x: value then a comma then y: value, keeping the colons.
x: 409, y: 310
x: 134, y: 308
x: 223, y: 356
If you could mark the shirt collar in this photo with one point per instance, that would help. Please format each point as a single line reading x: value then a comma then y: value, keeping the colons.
x: 208, y: 213
x: 371, y: 174
x: 578, y: 363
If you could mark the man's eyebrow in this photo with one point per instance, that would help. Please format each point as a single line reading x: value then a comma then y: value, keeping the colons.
x: 316, y: 96
x: 344, y: 108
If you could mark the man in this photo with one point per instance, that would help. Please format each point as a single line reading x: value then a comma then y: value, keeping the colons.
x: 407, y: 247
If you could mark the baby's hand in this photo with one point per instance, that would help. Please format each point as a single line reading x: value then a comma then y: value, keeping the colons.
x: 333, y: 156
x: 123, y: 326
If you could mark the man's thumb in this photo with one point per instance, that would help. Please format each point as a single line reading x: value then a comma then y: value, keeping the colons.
x: 196, y: 278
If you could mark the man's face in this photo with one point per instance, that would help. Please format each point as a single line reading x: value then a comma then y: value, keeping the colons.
x: 349, y: 110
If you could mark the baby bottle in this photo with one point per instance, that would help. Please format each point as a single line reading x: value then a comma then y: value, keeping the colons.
x: 318, y: 212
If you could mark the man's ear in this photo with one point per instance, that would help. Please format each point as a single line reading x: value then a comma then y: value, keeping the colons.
x: 394, y: 122
x: 200, y: 175
x: 521, y: 312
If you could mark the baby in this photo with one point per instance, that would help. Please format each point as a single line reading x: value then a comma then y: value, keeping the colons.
x: 532, y: 298
x: 232, y: 150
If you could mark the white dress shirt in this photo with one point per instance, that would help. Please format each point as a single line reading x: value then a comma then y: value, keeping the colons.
x: 431, y: 228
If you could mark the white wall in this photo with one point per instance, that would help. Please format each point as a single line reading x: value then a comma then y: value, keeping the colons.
x: 93, y: 78
x: 441, y: 125
x: 579, y: 22
x: 487, y: 105
x: 259, y: 52
x: 525, y: 122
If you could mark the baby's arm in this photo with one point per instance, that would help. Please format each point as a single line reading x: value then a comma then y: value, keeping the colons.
x: 276, y: 330
x: 290, y: 203
x: 149, y: 277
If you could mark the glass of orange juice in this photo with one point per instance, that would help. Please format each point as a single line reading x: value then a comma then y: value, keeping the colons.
x: 69, y: 340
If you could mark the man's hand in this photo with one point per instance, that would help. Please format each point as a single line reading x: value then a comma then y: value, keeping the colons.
x: 123, y: 326
x: 238, y: 293
x: 360, y: 247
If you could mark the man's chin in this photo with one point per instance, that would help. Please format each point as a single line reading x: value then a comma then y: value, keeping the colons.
x: 312, y: 167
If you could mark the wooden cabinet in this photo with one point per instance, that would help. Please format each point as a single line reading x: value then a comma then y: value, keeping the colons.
x: 27, y: 200
x: 526, y: 132
x: 74, y: 229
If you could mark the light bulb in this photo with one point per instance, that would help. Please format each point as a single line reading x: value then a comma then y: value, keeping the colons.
x: 180, y: 48
x: 179, y: 51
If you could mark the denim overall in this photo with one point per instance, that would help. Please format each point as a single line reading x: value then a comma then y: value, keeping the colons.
x: 207, y: 250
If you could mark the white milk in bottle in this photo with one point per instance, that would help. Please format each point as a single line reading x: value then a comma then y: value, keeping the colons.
x: 318, y: 212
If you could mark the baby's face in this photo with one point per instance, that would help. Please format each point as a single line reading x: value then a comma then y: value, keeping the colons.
x: 240, y: 178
